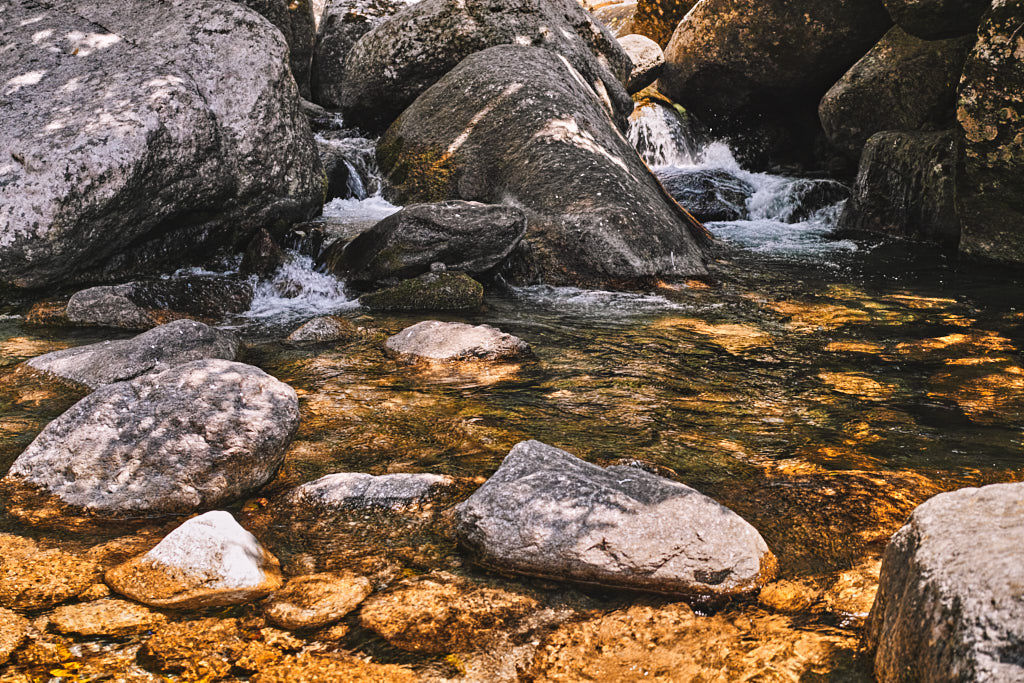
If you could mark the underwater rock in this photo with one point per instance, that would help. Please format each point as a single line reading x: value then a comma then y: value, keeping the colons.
x: 709, y: 194
x: 207, y: 561
x: 316, y: 600
x: 358, y: 490
x: 517, y: 125
x: 194, y: 436
x: 108, y: 617
x: 159, y: 349
x: 34, y: 578
x: 13, y: 629
x: 934, y: 19
x: 325, y: 328
x: 546, y: 513
x: 130, y: 152
x: 648, y: 61
x: 312, y: 668
x: 407, y: 53
x: 430, y: 292
x: 949, y: 602
x: 432, y: 340
x: 464, y: 236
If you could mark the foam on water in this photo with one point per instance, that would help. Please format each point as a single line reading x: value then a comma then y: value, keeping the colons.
x: 298, y: 290
x: 370, y: 209
x: 592, y: 301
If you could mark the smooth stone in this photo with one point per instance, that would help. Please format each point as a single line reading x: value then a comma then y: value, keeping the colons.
x: 208, y: 561
x: 13, y: 630
x: 428, y: 292
x: 316, y: 600
x: 648, y: 61
x: 108, y: 617
x: 193, y: 436
x: 433, y: 340
x: 546, y: 513
x: 161, y: 348
x: 32, y: 578
x: 358, y: 490
x: 325, y: 328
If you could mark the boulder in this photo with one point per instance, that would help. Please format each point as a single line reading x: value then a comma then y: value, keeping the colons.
x: 658, y: 19
x: 906, y: 187
x: 407, y: 53
x: 107, y: 617
x: 709, y: 194
x: 949, y: 601
x: 316, y: 600
x: 902, y: 83
x: 294, y: 19
x: 466, y: 236
x: 263, y: 256
x: 432, y: 340
x: 190, y: 437
x: 128, y: 151
x: 648, y: 61
x: 167, y: 346
x: 616, y: 16
x: 517, y: 125
x: 354, y: 490
x: 430, y: 292
x: 351, y: 166
x: 546, y: 513
x: 208, y: 561
x: 326, y: 328
x: 991, y: 116
x: 935, y: 19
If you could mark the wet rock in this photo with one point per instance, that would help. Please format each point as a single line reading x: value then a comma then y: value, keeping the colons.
x: 802, y: 198
x: 853, y: 591
x: 207, y: 561
x: 658, y: 19
x: 316, y: 600
x: 190, y: 437
x: 202, y: 648
x: 440, y: 614
x: 522, y: 129
x: 465, y: 236
x: 407, y: 53
x: 109, y: 306
x: 184, y: 162
x: 949, y: 604
x: 437, y: 341
x: 546, y: 513
x: 167, y: 346
x: 906, y: 187
x: 648, y: 61
x: 357, y: 490
x: 902, y: 83
x: 616, y: 16
x: 709, y: 194
x: 13, y: 629
x: 351, y: 167
x: 294, y: 19
x: 326, y: 328
x: 263, y: 256
x: 934, y: 19
x: 991, y: 115
x: 110, y: 617
x: 430, y: 292
x: 34, y: 578
x: 312, y: 668
x: 790, y: 597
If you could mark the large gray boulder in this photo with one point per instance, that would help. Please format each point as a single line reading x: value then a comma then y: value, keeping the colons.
x: 518, y: 125
x: 465, y: 236
x: 192, y: 437
x: 294, y: 19
x: 161, y: 348
x: 546, y: 513
x: 127, y: 147
x: 902, y: 83
x: 407, y: 53
x: 949, y: 604
x: 934, y: 19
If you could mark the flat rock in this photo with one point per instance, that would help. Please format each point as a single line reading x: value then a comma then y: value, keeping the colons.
x: 325, y: 328
x: 949, y: 603
x: 189, y: 437
x: 34, y: 578
x: 108, y: 617
x: 546, y: 513
x: 433, y: 340
x: 358, y: 490
x: 428, y: 292
x: 208, y: 561
x: 316, y: 600
x: 158, y: 349
x: 13, y: 629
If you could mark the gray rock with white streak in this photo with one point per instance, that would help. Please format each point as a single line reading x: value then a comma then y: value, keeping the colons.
x: 192, y: 437
x: 358, y: 490
x: 161, y: 348
x: 546, y: 513
x: 648, y: 61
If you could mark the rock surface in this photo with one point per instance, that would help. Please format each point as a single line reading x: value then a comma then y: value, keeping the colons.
x: 709, y: 194
x: 358, y: 490
x: 351, y: 166
x: 294, y: 19
x: 263, y: 256
x: 902, y: 83
x: 311, y: 668
x: 207, y: 561
x: 128, y: 149
x: 194, y: 436
x: 934, y: 19
x: 949, y: 601
x: 108, y: 617
x: 159, y: 349
x: 430, y: 292
x: 658, y: 19
x: 13, y: 629
x: 407, y: 53
x: 316, y: 600
x: 546, y: 513
x: 34, y: 578
x: 432, y: 340
x: 517, y: 125
x: 326, y: 328
x: 465, y: 236
x: 648, y: 61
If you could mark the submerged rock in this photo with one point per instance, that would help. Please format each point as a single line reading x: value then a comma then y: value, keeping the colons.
x: 407, y: 53
x: 430, y: 292
x: 933, y: 19
x: 465, y: 236
x: 161, y: 348
x: 517, y: 125
x: 34, y: 578
x: 949, y: 601
x: 13, y: 629
x: 312, y: 668
x: 546, y: 513
x: 316, y: 600
x: 432, y: 340
x: 207, y: 561
x: 709, y: 194
x: 357, y: 490
x: 325, y: 328
x: 130, y: 152
x: 108, y: 617
x: 194, y: 436
x: 648, y: 61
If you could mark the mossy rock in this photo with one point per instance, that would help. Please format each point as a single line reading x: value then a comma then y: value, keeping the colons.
x: 430, y: 292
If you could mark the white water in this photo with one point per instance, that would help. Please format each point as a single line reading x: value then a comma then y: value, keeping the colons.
x: 299, y: 291
x: 592, y: 301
